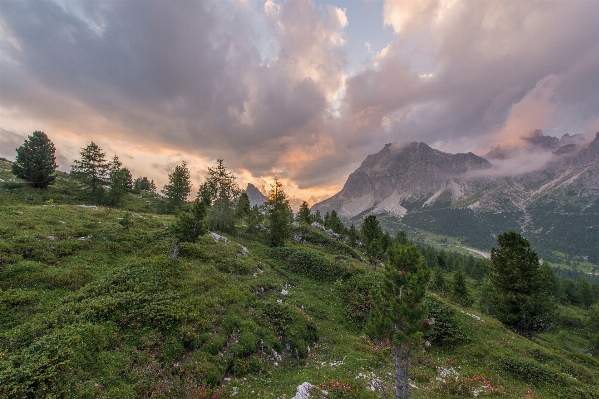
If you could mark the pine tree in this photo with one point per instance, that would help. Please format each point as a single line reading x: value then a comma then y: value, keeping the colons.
x: 190, y: 225
x: 353, y: 236
x: 220, y: 190
x: 303, y: 214
x: 279, y: 215
x: 460, y: 291
x: 92, y: 169
x: 370, y: 229
x: 177, y: 189
x: 522, y: 300
x: 438, y: 284
x: 401, y: 238
x: 399, y: 311
x: 118, y: 181
x: 36, y: 160
x: 317, y: 217
x: 243, y: 205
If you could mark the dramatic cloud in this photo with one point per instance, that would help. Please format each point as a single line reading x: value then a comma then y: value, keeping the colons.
x: 265, y: 85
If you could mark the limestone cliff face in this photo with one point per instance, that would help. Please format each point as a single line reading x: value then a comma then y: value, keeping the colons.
x: 403, y: 176
x: 403, y: 172
x: 254, y: 195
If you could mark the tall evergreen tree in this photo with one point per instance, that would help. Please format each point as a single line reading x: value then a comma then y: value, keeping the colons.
x: 522, y: 300
x: 118, y: 179
x: 401, y: 238
x: 399, y: 312
x: 460, y: 291
x: 303, y: 215
x: 279, y: 215
x: 92, y: 169
x: 371, y: 230
x: 220, y: 190
x: 352, y: 234
x: 243, y: 205
x: 36, y: 160
x: 177, y: 189
x: 190, y: 225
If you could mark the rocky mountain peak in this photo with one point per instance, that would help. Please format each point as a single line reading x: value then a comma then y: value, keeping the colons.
x: 255, y: 196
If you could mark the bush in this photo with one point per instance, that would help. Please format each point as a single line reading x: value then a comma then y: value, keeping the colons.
x: 308, y: 263
x: 531, y: 371
x: 293, y: 326
x: 355, y: 293
x: 447, y: 330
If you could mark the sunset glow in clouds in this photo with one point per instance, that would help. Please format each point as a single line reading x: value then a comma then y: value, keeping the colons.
x: 299, y: 89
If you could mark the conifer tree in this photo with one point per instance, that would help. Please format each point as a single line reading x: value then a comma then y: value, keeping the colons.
x: 91, y: 169
x: 303, y: 215
x: 220, y: 191
x: 438, y: 284
x: 177, y: 189
x: 190, y: 225
x: 317, y: 217
x: 401, y: 238
x: 522, y: 300
x: 353, y: 236
x: 399, y: 311
x: 371, y: 230
x: 36, y: 161
x: 243, y: 205
x: 279, y: 215
x: 118, y: 179
x: 460, y: 291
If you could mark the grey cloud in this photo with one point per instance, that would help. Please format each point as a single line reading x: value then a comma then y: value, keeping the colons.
x: 195, y: 77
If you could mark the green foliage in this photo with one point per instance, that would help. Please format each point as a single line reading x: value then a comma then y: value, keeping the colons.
x: 279, y: 215
x: 352, y: 236
x: 356, y: 294
x: 530, y: 371
x: 293, y: 326
x: 177, y: 189
x: 446, y: 329
x: 438, y: 283
x: 220, y: 190
x: 35, y: 161
x: 243, y: 206
x: 189, y: 226
x: 303, y: 215
x: 119, y: 180
x: 91, y: 169
x: 521, y: 298
x: 371, y: 230
x: 308, y: 263
x: 399, y: 307
x: 460, y: 291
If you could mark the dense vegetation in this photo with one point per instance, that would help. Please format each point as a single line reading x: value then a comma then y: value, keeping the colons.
x: 92, y: 304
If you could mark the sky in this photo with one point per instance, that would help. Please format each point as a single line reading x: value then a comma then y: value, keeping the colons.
x: 301, y: 90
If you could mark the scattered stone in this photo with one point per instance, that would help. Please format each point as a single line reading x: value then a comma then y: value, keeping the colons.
x: 89, y: 207
x: 475, y: 317
x: 284, y: 292
x: 218, y: 237
x: 51, y: 238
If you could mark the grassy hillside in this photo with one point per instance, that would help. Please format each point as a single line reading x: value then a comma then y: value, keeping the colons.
x: 90, y: 308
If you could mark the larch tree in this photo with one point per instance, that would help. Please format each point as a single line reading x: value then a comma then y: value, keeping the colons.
x: 177, y: 189
x: 303, y: 215
x: 399, y: 313
x: 221, y: 190
x: 279, y: 215
x: 36, y: 161
x: 92, y: 169
x: 522, y: 300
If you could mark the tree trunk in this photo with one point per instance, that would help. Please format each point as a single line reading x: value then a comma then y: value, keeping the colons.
x: 398, y: 373
x: 176, y: 250
x: 407, y: 385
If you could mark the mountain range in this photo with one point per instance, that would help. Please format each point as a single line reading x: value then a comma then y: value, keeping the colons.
x: 547, y: 188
